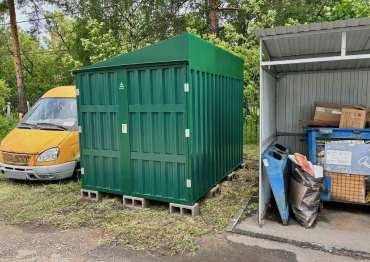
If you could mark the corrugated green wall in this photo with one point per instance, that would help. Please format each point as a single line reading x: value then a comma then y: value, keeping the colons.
x: 215, y: 117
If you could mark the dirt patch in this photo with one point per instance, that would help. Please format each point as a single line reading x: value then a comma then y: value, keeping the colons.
x: 32, y: 243
x: 217, y: 248
x: 31, y: 227
x: 84, y: 244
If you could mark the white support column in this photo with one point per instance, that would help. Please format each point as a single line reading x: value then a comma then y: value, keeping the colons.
x: 261, y: 208
x: 343, y: 45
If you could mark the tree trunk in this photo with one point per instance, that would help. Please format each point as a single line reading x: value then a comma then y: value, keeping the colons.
x: 213, y: 22
x: 22, y: 101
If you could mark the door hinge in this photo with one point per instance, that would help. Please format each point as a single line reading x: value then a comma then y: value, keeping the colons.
x: 124, y: 128
x: 77, y: 92
x: 186, y: 87
x: 188, y: 183
x: 79, y: 129
x: 82, y: 170
x: 187, y: 132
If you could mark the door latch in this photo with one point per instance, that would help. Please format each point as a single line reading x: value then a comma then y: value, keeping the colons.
x: 124, y: 128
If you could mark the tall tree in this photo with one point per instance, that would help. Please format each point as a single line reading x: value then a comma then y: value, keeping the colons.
x: 22, y: 100
x: 213, y: 21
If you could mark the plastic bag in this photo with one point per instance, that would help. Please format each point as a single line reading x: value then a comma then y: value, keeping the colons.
x: 304, y: 196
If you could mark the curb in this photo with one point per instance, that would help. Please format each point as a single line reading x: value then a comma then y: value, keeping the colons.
x: 302, y: 244
x: 310, y: 245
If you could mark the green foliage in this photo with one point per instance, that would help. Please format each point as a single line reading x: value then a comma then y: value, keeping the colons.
x: 346, y: 9
x: 4, y: 94
x: 7, y: 124
x: 42, y: 68
x: 101, y: 44
x: 250, y: 130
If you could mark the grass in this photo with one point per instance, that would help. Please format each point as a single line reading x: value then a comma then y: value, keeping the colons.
x: 150, y: 229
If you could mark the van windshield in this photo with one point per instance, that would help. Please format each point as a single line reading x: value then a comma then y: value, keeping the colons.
x: 53, y: 114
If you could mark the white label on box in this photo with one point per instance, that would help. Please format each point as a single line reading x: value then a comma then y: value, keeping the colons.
x: 338, y: 157
x: 320, y: 109
x: 328, y: 110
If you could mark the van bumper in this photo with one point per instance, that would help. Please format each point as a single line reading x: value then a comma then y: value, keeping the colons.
x: 55, y: 172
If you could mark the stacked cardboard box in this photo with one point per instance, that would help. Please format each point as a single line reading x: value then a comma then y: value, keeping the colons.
x: 336, y: 115
x: 347, y: 187
x: 355, y: 117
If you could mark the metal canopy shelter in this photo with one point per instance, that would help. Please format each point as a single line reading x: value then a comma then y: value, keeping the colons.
x: 302, y: 64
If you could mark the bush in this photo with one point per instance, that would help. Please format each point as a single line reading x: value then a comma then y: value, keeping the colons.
x: 251, y: 130
x: 4, y: 94
x: 7, y: 124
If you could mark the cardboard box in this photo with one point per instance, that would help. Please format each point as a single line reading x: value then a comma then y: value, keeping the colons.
x: 331, y: 115
x: 354, y: 117
x: 325, y: 112
x: 348, y: 157
x: 321, y: 123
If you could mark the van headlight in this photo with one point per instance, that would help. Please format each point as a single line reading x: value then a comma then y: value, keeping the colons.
x: 48, y: 155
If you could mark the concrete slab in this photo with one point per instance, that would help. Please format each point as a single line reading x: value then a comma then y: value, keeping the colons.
x: 337, y: 231
x: 301, y: 254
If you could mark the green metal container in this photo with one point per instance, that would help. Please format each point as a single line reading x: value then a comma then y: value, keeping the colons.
x: 163, y: 122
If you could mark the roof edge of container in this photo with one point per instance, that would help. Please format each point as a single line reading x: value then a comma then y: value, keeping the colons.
x: 186, y: 47
x: 174, y: 49
x: 81, y: 70
x: 194, y: 36
x: 208, y: 57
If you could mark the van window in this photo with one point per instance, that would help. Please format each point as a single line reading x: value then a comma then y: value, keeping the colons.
x: 53, y: 114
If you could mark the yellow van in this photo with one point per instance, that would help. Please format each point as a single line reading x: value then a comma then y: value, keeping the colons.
x: 45, y: 144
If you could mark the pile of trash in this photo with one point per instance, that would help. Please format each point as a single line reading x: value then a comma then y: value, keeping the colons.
x: 295, y: 183
x: 305, y: 182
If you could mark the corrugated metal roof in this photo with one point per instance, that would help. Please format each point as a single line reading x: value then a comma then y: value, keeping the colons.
x: 186, y: 47
x: 283, y: 30
x: 296, y: 42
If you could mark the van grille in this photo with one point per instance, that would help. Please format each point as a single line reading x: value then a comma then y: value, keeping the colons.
x: 16, y: 159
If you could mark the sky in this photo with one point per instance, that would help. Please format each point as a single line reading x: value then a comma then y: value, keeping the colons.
x: 21, y: 14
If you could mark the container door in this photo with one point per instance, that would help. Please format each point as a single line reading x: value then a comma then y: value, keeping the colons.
x: 124, y: 132
x: 156, y: 126
x: 100, y: 122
